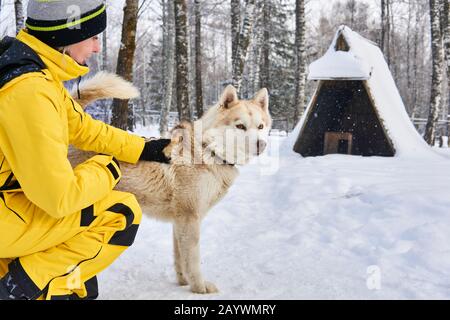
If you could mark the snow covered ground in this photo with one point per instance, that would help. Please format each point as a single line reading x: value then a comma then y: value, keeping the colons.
x: 332, y: 227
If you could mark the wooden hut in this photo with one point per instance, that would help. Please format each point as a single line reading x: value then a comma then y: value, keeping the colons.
x: 356, y: 108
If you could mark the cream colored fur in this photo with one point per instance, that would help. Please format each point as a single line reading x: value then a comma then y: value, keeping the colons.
x: 104, y: 85
x: 183, y: 192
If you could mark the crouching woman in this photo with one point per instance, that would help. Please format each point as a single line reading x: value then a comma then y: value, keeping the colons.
x: 59, y: 226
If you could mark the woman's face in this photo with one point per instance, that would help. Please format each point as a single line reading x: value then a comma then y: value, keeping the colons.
x: 83, y: 50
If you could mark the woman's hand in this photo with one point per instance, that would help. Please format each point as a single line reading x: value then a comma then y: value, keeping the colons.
x: 154, y: 151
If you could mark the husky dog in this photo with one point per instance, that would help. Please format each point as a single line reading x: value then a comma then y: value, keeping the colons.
x: 204, y: 155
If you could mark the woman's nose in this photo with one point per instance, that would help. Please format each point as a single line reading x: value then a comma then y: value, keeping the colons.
x: 97, y: 47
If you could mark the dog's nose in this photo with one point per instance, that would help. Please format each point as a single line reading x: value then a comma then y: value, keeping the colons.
x: 260, y: 146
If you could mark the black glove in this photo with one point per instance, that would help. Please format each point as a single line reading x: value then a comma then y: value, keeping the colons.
x: 153, y: 151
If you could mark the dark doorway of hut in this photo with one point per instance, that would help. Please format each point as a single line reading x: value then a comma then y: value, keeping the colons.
x: 343, y: 120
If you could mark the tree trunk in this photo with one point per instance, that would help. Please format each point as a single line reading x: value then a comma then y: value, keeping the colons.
x: 260, y: 51
x: 392, y: 44
x: 437, y: 73
x: 169, y: 60
x: 446, y: 36
x: 260, y: 59
x: 300, y: 72
x: 408, y: 59
x: 104, y: 66
x: 181, y: 44
x: 265, y: 50
x: 104, y: 51
x: 388, y: 32
x: 18, y: 6
x: 198, y: 59
x: 120, y: 112
x: 351, y: 6
x: 415, y: 62
x: 245, y: 37
x: 383, y: 24
x: 235, y: 28
x: 386, y: 29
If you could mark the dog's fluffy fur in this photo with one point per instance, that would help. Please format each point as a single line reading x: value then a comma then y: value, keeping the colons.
x: 201, y: 171
x: 103, y: 85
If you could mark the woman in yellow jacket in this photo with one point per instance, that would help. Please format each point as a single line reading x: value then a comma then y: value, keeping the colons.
x: 59, y: 226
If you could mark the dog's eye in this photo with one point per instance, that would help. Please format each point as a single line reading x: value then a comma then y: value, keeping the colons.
x: 261, y: 126
x: 241, y: 126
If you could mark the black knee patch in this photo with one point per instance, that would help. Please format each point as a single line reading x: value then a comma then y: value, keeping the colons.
x: 87, y: 216
x: 124, y: 237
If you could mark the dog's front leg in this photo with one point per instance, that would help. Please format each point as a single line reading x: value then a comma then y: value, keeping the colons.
x: 181, y: 278
x: 187, y: 232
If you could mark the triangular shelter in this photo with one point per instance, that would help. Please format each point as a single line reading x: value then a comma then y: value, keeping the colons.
x: 356, y: 108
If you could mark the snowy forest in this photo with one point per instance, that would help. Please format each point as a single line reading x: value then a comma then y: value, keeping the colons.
x: 182, y: 53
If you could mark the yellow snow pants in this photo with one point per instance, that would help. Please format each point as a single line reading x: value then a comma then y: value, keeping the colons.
x: 53, y: 258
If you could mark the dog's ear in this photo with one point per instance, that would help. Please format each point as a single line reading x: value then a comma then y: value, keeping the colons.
x: 229, y: 96
x: 262, y: 99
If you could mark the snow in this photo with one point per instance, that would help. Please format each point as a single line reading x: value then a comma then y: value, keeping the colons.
x: 338, y: 65
x: 388, y: 103
x: 331, y: 227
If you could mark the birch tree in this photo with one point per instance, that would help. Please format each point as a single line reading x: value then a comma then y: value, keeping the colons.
x: 235, y: 15
x: 258, y: 68
x: 169, y: 61
x: 408, y: 57
x: 105, y: 104
x: 386, y: 29
x: 265, y: 46
x: 446, y: 34
x: 437, y: 73
x: 198, y: 59
x: 181, y: 57
x: 104, y: 50
x: 445, y: 28
x: 300, y: 70
x: 243, y: 44
x: 417, y: 61
x: 125, y: 60
x: 383, y: 24
x: 350, y: 5
x: 18, y: 8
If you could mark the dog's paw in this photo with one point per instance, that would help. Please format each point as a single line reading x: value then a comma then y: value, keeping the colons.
x: 205, y: 288
x: 211, y: 287
x: 182, y: 280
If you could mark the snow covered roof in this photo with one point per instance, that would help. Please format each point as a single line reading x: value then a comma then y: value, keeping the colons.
x: 369, y: 65
x: 339, y: 65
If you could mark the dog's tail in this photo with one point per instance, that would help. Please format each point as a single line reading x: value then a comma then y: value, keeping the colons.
x: 103, y: 85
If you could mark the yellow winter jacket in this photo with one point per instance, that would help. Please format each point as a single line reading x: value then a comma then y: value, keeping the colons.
x: 38, y: 121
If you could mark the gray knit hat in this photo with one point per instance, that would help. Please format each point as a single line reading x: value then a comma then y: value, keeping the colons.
x: 60, y: 23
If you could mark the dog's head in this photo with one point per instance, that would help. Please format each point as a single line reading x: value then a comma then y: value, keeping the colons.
x: 234, y: 130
